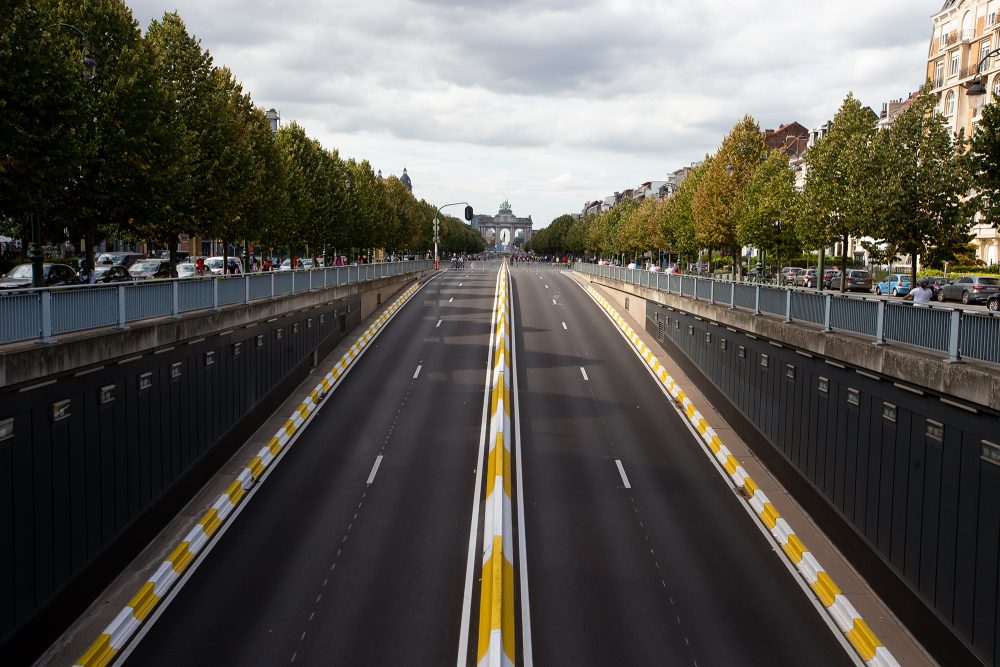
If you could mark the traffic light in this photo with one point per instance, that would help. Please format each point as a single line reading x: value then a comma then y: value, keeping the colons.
x: 468, y: 213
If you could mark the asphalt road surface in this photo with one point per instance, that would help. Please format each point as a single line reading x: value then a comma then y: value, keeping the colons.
x: 638, y: 552
x: 323, y: 568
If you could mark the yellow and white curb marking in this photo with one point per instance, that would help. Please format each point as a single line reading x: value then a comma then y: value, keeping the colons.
x: 130, y: 618
x: 496, y: 601
x: 850, y: 623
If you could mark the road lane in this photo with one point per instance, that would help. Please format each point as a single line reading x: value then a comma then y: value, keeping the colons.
x: 353, y: 551
x: 669, y: 571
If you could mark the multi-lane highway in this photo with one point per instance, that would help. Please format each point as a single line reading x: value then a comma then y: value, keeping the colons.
x: 355, y: 549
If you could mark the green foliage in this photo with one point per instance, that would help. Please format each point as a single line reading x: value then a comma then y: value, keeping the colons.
x: 762, y: 213
x: 985, y: 156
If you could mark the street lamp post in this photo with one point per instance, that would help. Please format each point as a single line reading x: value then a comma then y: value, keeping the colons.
x: 977, y: 87
x: 437, y: 225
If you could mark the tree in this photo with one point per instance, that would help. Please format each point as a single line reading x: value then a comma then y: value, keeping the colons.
x: 985, y: 154
x: 924, y: 178
x: 677, y: 222
x: 840, y: 196
x: 761, y: 215
x: 721, y: 188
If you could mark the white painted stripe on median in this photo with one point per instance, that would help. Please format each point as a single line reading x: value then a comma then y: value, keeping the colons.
x: 438, y: 324
x: 584, y: 372
x: 417, y: 372
x: 564, y: 326
x: 554, y: 302
x: 451, y: 299
x: 621, y: 471
x: 378, y: 462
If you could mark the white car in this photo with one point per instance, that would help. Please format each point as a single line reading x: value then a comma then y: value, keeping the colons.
x: 214, y: 265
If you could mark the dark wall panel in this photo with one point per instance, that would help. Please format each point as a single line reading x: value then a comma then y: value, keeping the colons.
x: 902, y: 468
x: 70, y: 488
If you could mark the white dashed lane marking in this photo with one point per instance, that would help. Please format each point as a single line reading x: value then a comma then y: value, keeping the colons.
x: 621, y: 471
x: 583, y: 371
x: 564, y: 326
x: 438, y: 324
x: 417, y: 372
x: 378, y: 462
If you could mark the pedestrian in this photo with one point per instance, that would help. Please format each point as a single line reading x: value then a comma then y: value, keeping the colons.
x: 87, y: 275
x: 921, y: 295
x: 199, y: 266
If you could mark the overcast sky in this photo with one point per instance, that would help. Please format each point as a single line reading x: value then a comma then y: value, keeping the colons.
x: 550, y: 103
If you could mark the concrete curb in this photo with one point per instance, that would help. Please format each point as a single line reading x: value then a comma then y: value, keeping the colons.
x: 124, y: 626
x: 846, y: 617
x: 496, y: 646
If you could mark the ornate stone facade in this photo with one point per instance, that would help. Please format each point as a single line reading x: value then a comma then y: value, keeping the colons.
x: 491, y: 227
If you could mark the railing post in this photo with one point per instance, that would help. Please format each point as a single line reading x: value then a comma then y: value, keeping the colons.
x: 954, y: 331
x: 827, y: 312
x: 215, y: 293
x: 310, y: 279
x: 325, y: 272
x: 272, y: 283
x: 880, y: 323
x: 694, y: 292
x: 175, y: 311
x: 121, y: 306
x: 46, y: 306
x: 293, y: 282
x: 246, y: 288
x: 756, y: 301
x: 788, y: 305
x: 732, y: 297
x: 711, y: 292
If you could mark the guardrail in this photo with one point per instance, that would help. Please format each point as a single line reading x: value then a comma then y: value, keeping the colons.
x: 31, y: 314
x: 952, y: 331
x: 496, y: 646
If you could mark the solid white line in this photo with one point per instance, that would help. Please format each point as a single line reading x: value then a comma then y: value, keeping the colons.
x: 463, y: 633
x: 564, y: 326
x: 621, y: 471
x: 522, y: 562
x: 417, y: 372
x: 438, y: 324
x: 584, y: 371
x: 378, y: 462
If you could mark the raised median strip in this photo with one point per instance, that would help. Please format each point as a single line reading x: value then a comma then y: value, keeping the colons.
x: 118, y: 633
x: 846, y: 617
x: 496, y: 646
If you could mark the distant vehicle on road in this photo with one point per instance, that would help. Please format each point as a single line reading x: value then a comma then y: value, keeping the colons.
x: 935, y: 282
x: 856, y: 281
x: 54, y: 274
x: 828, y: 276
x: 111, y: 273
x: 126, y: 259
x: 896, y: 284
x: 806, y: 278
x: 969, y: 289
x: 149, y: 269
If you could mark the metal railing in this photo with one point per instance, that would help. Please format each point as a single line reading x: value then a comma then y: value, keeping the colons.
x: 28, y: 314
x: 950, y: 330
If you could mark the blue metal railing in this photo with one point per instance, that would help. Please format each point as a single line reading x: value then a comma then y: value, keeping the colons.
x: 41, y: 313
x: 956, y: 332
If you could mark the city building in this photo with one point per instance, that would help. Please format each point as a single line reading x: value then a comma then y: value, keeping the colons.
x: 504, y: 228
x: 405, y: 180
x: 964, y: 32
x: 791, y: 139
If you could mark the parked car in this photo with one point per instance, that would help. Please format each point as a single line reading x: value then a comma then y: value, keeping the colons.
x: 214, y: 265
x: 993, y: 303
x: 788, y: 274
x: 111, y: 273
x: 856, y: 281
x: 149, y: 269
x: 752, y: 275
x: 896, y: 284
x: 806, y: 278
x: 187, y: 270
x: 55, y: 274
x: 969, y: 289
x: 829, y: 275
x: 126, y: 259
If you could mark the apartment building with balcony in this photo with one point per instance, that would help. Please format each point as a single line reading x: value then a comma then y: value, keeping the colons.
x: 964, y: 32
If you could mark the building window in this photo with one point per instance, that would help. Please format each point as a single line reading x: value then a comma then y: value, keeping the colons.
x: 764, y: 360
x: 939, y: 74
x: 953, y: 71
x: 824, y: 385
x: 176, y: 370
x: 107, y: 394
x: 984, y: 48
x: 949, y: 103
x: 209, y: 359
x: 935, y: 430
x: 996, y: 89
x: 889, y: 412
x: 145, y: 381
x: 853, y: 396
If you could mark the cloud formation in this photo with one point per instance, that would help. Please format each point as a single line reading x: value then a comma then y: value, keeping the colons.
x: 550, y: 103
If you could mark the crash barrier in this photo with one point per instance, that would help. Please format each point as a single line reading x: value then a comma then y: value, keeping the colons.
x: 846, y: 617
x: 496, y: 601
x: 39, y: 314
x: 117, y: 634
x: 952, y: 331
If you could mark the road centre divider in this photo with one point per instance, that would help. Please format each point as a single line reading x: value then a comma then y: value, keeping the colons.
x: 496, y: 602
x: 846, y: 617
x: 117, y: 634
